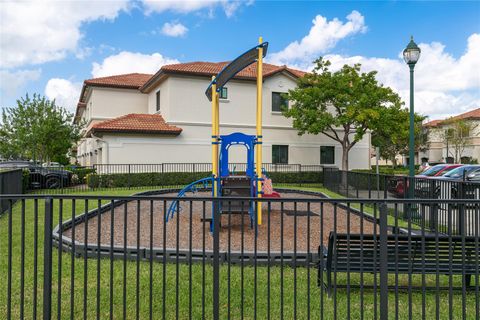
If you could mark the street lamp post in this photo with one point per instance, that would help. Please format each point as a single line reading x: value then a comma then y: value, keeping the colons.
x: 411, y: 54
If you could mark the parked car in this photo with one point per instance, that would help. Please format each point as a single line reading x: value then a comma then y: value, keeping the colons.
x: 51, y: 164
x: 438, y: 170
x: 455, y: 184
x: 422, y: 187
x: 474, y: 176
x: 460, y: 173
x: 40, y: 177
x: 427, y: 165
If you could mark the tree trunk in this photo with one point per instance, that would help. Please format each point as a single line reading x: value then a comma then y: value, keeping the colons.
x: 345, y: 158
x: 393, y: 160
x: 344, y: 183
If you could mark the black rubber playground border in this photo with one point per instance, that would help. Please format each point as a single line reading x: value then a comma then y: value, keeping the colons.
x: 172, y: 255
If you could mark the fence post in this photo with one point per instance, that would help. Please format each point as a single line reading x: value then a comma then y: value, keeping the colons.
x: 383, y: 262
x: 407, y: 207
x: 347, y: 173
x: 385, y: 187
x: 128, y: 180
x: 61, y: 173
x: 216, y: 258
x: 433, y: 211
x: 461, y: 208
x: 47, y: 260
x: 369, y: 186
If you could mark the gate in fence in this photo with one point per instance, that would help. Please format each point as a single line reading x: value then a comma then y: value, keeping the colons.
x: 69, y: 257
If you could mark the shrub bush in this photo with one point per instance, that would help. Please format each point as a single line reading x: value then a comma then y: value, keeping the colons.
x: 79, y: 175
x: 295, y: 177
x: 122, y: 180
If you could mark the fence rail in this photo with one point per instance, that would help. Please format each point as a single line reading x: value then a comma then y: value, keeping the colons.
x: 198, y: 167
x: 69, y: 257
x: 68, y: 179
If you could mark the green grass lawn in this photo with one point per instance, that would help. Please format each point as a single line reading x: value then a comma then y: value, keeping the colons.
x: 305, y: 289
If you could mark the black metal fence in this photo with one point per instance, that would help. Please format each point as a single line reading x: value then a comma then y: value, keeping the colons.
x: 434, y: 218
x: 68, y: 179
x: 197, y: 167
x: 69, y: 257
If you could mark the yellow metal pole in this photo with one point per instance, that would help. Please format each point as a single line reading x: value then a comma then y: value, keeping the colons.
x: 258, y: 154
x: 214, y: 137
x: 217, y: 124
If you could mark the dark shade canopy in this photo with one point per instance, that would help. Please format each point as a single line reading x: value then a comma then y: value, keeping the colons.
x: 234, y: 67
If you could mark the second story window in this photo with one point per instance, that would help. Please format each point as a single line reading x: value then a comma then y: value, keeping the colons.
x: 279, y: 103
x: 157, y: 100
x: 223, y: 94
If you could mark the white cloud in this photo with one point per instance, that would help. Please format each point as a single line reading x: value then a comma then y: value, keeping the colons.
x: 323, y: 35
x: 187, y: 6
x: 12, y: 82
x: 441, y: 105
x: 444, y: 85
x: 173, y: 29
x: 65, y: 92
x: 130, y: 62
x: 34, y: 32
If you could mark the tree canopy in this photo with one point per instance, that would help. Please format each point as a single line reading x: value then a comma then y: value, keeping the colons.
x: 343, y: 105
x: 392, y: 134
x: 37, y: 129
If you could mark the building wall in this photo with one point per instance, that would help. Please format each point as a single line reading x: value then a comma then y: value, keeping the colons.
x: 193, y: 145
x: 165, y: 99
x: 108, y: 103
x: 188, y: 103
x: 183, y: 103
x: 437, y: 150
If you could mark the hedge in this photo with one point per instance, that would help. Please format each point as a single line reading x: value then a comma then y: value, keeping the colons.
x: 79, y: 175
x: 296, y: 177
x: 121, y: 180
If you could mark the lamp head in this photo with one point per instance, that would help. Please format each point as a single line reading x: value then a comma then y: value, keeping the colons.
x: 411, y: 54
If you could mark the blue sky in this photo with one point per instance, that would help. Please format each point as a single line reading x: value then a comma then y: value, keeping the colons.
x: 51, y: 47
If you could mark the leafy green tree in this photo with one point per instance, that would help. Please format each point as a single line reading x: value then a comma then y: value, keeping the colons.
x: 342, y: 105
x: 37, y: 129
x: 392, y: 132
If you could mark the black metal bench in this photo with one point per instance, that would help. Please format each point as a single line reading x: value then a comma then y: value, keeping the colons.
x: 407, y: 254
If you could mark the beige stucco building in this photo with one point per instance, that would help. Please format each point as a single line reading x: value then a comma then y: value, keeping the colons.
x: 166, y: 118
x: 439, y: 151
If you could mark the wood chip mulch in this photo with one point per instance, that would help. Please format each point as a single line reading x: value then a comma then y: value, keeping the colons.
x: 282, y: 231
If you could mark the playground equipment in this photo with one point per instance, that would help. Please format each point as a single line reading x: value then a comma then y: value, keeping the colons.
x: 224, y: 183
x: 192, y: 187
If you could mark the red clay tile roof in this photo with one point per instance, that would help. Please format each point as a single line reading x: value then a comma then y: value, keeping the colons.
x: 432, y: 123
x: 212, y: 68
x: 130, y: 80
x: 472, y: 114
x: 137, y: 123
x: 144, y: 82
x: 125, y: 81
